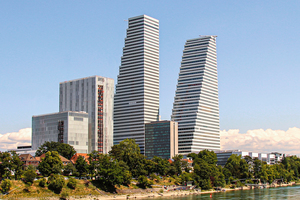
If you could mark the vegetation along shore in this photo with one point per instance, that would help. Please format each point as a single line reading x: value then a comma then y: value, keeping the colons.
x: 126, y: 174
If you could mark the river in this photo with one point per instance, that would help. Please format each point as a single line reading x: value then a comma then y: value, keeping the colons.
x: 291, y: 193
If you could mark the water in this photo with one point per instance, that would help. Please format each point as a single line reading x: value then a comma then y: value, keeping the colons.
x: 279, y: 193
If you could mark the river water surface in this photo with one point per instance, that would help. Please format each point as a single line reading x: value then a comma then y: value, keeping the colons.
x: 292, y: 192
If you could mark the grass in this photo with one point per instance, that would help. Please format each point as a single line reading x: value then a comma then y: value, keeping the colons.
x: 21, y: 190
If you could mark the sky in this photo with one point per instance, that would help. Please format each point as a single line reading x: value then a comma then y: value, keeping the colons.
x: 43, y: 43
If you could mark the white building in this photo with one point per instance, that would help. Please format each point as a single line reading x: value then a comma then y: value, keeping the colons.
x: 93, y: 95
x: 196, y: 103
x: 137, y: 91
x: 269, y: 158
x: 65, y: 127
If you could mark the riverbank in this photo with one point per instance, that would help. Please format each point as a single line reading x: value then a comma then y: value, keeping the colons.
x: 123, y: 194
x: 154, y: 193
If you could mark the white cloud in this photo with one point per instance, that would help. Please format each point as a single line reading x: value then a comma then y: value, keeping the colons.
x: 264, y: 141
x: 14, y: 139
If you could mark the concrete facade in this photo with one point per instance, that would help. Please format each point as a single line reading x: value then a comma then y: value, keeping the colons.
x: 65, y: 127
x: 196, y: 102
x: 94, y: 95
x: 136, y: 100
x: 161, y: 139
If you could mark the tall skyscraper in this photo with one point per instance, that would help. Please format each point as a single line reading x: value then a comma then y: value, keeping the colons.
x: 196, y: 103
x: 93, y: 95
x: 137, y: 91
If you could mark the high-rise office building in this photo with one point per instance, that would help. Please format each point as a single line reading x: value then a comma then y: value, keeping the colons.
x: 93, y: 95
x: 65, y: 127
x: 137, y: 91
x: 196, y: 103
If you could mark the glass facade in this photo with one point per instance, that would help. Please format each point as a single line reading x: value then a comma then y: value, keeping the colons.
x: 160, y: 139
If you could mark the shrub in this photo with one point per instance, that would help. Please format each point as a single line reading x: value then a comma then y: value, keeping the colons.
x: 5, y: 185
x: 72, y: 183
x: 161, y: 191
x: 29, y: 176
x: 144, y: 182
x: 64, y: 195
x: 56, y: 183
x: 43, y: 182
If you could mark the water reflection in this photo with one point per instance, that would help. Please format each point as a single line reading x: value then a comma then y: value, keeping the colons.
x: 289, y: 193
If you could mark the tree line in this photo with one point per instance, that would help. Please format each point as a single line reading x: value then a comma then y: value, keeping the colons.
x: 125, y: 162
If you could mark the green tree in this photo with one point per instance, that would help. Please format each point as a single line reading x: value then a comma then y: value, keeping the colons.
x: 29, y: 175
x: 109, y: 173
x: 81, y: 166
x: 206, y: 173
x: 51, y: 164
x: 178, y: 164
x: 5, y: 167
x: 69, y: 169
x: 237, y: 167
x: 162, y: 166
x: 56, y: 183
x: 16, y: 165
x: 209, y: 156
x: 129, y: 152
x: 63, y: 149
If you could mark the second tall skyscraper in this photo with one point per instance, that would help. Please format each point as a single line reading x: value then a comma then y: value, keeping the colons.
x: 137, y: 91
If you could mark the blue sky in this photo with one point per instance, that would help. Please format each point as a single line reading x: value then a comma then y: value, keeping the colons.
x: 43, y: 43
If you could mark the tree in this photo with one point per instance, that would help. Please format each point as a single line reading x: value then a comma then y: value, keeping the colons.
x: 29, y: 175
x: 109, y: 172
x: 178, y: 164
x: 5, y: 167
x: 69, y: 169
x: 129, y: 152
x: 162, y: 166
x: 16, y: 165
x: 237, y: 167
x: 63, y: 149
x: 51, y: 164
x: 209, y: 156
x: 56, y: 183
x: 81, y: 166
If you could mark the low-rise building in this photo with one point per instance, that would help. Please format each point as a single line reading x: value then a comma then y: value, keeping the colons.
x: 271, y: 158
x: 68, y: 127
x: 76, y: 156
x: 28, y: 159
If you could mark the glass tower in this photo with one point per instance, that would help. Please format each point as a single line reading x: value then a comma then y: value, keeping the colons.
x: 136, y: 100
x: 196, y: 103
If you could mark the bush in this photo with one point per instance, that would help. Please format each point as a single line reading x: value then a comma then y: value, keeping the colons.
x: 161, y: 191
x: 29, y: 176
x: 5, y: 185
x: 43, y: 182
x: 64, y: 195
x: 72, y: 183
x: 56, y: 183
x: 144, y: 182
